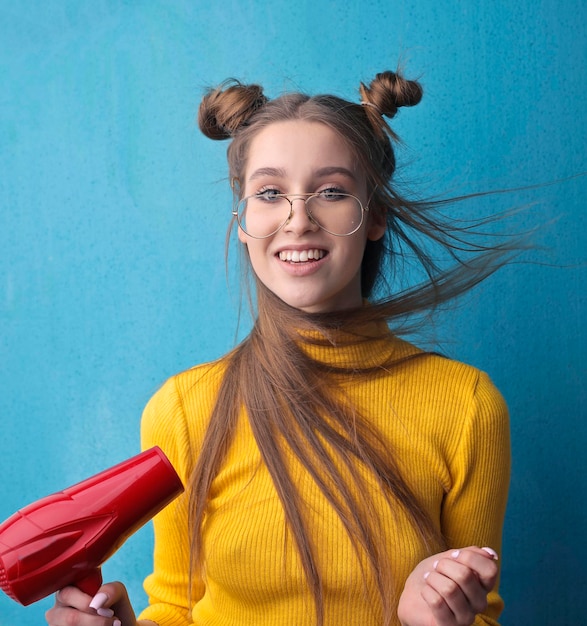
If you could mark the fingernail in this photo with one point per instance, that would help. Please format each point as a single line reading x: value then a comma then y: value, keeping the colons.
x: 426, y: 575
x: 98, y: 601
x: 435, y: 564
x: 117, y: 622
x: 455, y: 554
x: 492, y: 553
x: 105, y: 612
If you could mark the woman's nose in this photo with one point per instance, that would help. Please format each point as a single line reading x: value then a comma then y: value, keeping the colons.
x: 299, y: 221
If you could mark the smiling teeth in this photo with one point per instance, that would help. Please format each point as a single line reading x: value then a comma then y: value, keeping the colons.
x: 301, y: 256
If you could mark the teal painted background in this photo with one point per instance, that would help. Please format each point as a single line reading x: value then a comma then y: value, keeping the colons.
x: 113, y: 211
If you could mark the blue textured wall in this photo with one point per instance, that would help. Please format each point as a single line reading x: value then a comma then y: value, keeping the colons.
x: 113, y: 210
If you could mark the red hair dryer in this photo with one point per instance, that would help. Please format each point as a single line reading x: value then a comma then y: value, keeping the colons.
x: 63, y: 539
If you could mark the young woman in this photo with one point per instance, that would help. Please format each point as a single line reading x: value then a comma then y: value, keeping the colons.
x: 336, y: 474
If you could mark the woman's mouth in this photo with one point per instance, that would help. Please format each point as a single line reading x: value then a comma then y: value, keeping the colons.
x: 301, y: 256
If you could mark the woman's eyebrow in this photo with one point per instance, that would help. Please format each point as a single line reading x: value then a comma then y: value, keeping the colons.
x: 279, y: 172
x: 335, y: 169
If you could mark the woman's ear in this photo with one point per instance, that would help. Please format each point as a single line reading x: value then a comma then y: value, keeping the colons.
x: 376, y: 225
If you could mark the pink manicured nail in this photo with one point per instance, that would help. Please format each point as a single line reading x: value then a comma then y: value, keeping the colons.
x: 492, y: 553
x: 117, y: 622
x: 435, y: 564
x: 426, y: 575
x: 98, y: 601
x: 455, y: 554
x: 105, y: 612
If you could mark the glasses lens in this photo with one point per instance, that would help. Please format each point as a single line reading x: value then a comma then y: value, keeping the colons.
x: 262, y: 215
x: 336, y: 213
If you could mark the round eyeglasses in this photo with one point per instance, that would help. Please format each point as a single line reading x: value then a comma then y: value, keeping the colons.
x: 262, y: 215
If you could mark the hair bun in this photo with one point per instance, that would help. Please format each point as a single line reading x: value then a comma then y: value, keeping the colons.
x: 389, y: 91
x: 226, y: 108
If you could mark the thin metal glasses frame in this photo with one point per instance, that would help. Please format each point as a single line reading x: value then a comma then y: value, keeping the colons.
x: 299, y: 196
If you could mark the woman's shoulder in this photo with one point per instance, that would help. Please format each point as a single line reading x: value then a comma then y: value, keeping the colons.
x: 442, y: 379
x: 201, y: 379
x: 191, y: 390
x: 446, y: 404
x: 434, y: 363
x: 177, y: 415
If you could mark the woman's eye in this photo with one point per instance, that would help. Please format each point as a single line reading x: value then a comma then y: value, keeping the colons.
x: 332, y: 193
x: 268, y: 194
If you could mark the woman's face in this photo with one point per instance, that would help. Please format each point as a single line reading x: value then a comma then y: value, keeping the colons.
x: 301, y: 263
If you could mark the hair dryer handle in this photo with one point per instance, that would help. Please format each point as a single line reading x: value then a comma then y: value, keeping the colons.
x: 91, y: 583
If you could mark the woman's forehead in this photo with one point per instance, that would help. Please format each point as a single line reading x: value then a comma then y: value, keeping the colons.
x: 288, y: 147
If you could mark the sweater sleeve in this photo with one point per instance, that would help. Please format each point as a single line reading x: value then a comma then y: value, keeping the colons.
x: 474, y: 508
x: 168, y: 587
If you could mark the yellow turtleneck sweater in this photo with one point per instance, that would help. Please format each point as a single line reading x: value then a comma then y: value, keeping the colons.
x: 448, y: 428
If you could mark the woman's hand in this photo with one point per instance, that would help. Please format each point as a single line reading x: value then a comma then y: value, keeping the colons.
x: 109, y: 607
x: 449, y: 589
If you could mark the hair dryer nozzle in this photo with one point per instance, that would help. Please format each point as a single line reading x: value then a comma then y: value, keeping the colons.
x: 63, y: 539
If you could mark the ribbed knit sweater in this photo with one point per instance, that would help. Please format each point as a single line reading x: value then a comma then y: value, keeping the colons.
x: 447, y: 427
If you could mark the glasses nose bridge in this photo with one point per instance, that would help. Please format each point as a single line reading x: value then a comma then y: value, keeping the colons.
x: 292, y: 197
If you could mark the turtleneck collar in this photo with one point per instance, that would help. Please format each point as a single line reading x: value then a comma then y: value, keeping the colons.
x: 368, y: 346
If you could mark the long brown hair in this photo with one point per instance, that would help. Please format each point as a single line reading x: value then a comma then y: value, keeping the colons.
x: 293, y: 401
